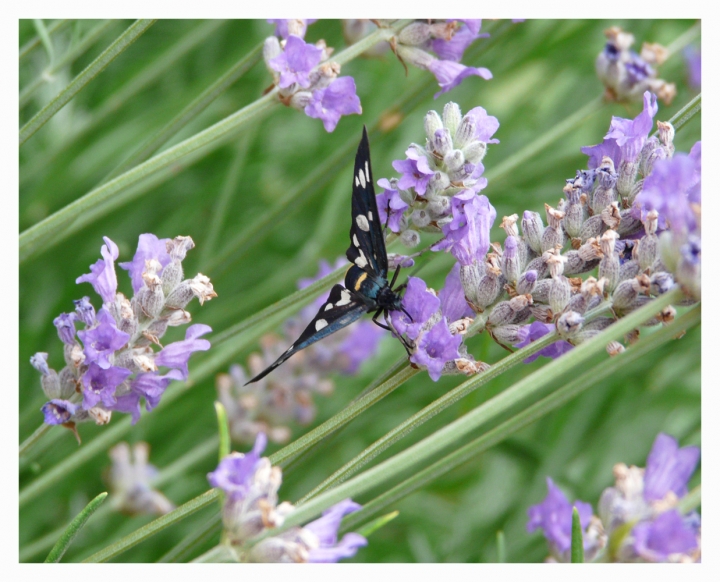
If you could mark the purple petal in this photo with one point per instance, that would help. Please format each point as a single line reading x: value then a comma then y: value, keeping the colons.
x: 234, y: 473
x: 58, y: 411
x: 295, y: 62
x: 102, y: 341
x: 337, y: 99
x: 450, y: 74
x: 668, y: 534
x: 436, y: 348
x: 102, y: 274
x: 669, y: 468
x: 535, y: 331
x: 177, y: 354
x: 452, y: 297
x: 99, y: 384
x: 149, y: 247
x: 419, y: 303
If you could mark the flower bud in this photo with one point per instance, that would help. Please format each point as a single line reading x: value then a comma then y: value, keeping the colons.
x: 592, y: 227
x: 626, y: 177
x: 271, y: 50
x: 559, y: 293
x: 541, y: 291
x: 532, y: 227
x: 526, y: 282
x: 569, y: 323
x: 432, y: 124
x: 85, y: 311
x: 475, y: 151
x: 661, y: 282
x: 502, y: 314
x: 488, y: 289
x: 441, y: 142
x: 454, y: 160
x: 415, y: 34
x: 465, y: 133
x: 509, y: 262
x: 507, y: 334
x: 451, y: 117
x: 410, y: 238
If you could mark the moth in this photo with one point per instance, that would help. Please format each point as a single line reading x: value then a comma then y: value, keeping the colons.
x: 366, y: 284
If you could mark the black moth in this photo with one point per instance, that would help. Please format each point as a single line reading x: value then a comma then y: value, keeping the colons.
x: 366, y: 285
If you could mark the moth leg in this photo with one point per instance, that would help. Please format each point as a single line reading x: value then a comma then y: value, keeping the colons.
x: 408, y: 347
x: 395, y: 276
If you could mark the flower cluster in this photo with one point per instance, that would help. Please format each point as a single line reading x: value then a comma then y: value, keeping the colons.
x: 639, y: 514
x: 634, y: 216
x: 448, y: 39
x: 627, y: 75
x: 129, y: 479
x: 250, y: 484
x: 286, y: 395
x: 306, y: 79
x: 110, y: 362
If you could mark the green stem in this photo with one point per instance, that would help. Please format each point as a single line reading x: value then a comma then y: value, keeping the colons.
x: 29, y: 442
x: 502, y: 403
x: 45, y: 39
x: 218, y: 554
x: 561, y: 396
x: 549, y: 136
x: 501, y: 551
x: 427, y: 413
x: 166, y: 474
x: 684, y: 39
x: 198, y: 536
x: 73, y: 529
x: 80, y: 82
x: 687, y: 112
x: 154, y: 527
x: 73, y: 53
x: 223, y: 431
x: 36, y: 235
x: 189, y: 112
x: 36, y: 41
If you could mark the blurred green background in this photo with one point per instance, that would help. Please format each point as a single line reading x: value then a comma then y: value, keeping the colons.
x: 543, y: 72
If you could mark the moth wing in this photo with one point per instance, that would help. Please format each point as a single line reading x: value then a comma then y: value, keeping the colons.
x: 367, y: 243
x: 340, y: 310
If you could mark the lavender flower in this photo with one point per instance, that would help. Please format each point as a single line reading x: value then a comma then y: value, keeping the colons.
x: 421, y: 303
x: 694, y: 66
x: 330, y: 103
x: 648, y: 498
x: 390, y: 200
x: 452, y: 297
x: 554, y: 517
x: 284, y: 27
x: 448, y: 39
x: 112, y: 358
x: 306, y: 79
x: 627, y: 75
x: 295, y: 62
x: 251, y: 506
x: 467, y: 236
x: 416, y: 172
x: 130, y: 478
x: 535, y: 331
x: 436, y: 348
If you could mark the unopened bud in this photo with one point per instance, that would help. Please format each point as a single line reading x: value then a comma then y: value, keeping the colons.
x: 451, y: 117
x: 569, y: 323
x: 614, y: 348
x: 532, y: 227
x: 559, y: 293
x: 432, y: 124
x: 410, y: 238
x: 526, y: 282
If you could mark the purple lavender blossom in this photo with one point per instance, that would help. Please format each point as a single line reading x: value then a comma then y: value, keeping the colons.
x: 65, y: 324
x: 420, y: 303
x: 390, y: 197
x: 668, y: 468
x: 85, y: 311
x: 436, y: 348
x: 102, y: 341
x: 452, y: 297
x: 554, y: 517
x: 299, y: 26
x: 535, y: 331
x: 102, y: 274
x: 467, y: 236
x: 149, y: 385
x: 330, y: 103
x: 58, y: 411
x: 177, y: 354
x: 693, y: 62
x: 100, y: 384
x: 295, y: 62
x: 450, y: 74
x: 670, y: 188
x: 326, y: 530
x: 668, y: 534
x: 453, y: 49
x: 486, y: 125
x: 234, y: 473
x: 416, y: 172
x: 626, y: 137
x: 149, y: 247
x: 39, y: 362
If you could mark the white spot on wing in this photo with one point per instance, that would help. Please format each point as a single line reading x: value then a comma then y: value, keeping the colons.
x: 355, y: 241
x: 361, y: 176
x: 344, y: 298
x: 357, y: 182
x: 362, y: 223
x: 370, y: 216
x: 367, y: 172
x: 328, y: 307
x: 361, y: 261
x: 319, y: 324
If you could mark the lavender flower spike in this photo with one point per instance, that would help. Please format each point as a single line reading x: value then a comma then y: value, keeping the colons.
x: 295, y: 62
x: 102, y: 274
x: 102, y: 341
x: 436, y: 348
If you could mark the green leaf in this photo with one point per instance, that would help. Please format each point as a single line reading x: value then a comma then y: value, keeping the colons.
x: 223, y: 430
x: 80, y: 82
x: 74, y: 528
x: 501, y: 552
x: 377, y: 523
x: 577, y: 555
